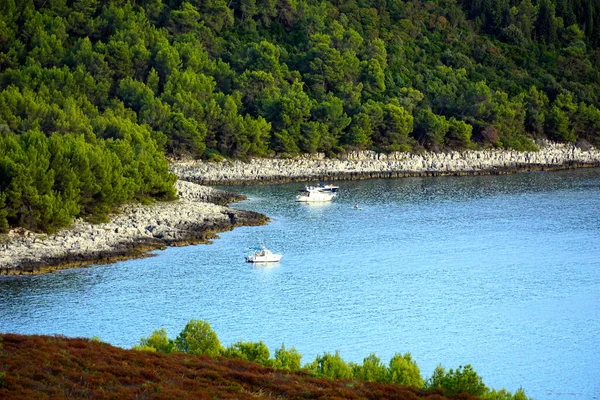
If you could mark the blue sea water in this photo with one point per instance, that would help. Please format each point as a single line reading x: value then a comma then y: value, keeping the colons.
x: 500, y: 272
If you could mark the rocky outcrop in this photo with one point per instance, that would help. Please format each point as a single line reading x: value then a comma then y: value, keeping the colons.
x: 367, y: 164
x: 132, y: 232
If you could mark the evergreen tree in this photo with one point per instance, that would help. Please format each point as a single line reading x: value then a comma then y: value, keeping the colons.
x: 93, y: 93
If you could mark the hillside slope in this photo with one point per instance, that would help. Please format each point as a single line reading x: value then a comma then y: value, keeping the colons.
x: 57, y: 367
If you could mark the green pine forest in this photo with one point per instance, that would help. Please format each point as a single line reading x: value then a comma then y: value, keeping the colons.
x: 95, y: 94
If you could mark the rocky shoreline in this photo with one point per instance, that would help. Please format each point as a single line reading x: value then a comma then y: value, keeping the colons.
x: 196, y: 217
x: 368, y: 164
x: 201, y: 211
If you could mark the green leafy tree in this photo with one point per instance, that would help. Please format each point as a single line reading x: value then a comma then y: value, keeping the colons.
x: 453, y: 382
x: 360, y: 132
x: 82, y: 14
x: 287, y: 359
x: 504, y: 394
x: 371, y: 370
x: 330, y: 113
x: 431, y: 128
x: 459, y: 134
x: 392, y: 133
x: 166, y: 61
x: 134, y: 94
x: 535, y: 111
x: 561, y: 118
x: 157, y: 341
x: 261, y: 56
x: 330, y: 366
x: 509, y: 120
x: 267, y: 11
x: 120, y: 59
x: 325, y: 66
x: 403, y: 370
x: 313, y: 133
x: 258, y: 89
x: 409, y: 98
x: 545, y: 24
x: 587, y: 123
x: 374, y: 79
x: 185, y: 135
x: 186, y: 19
x: 198, y: 338
x: 256, y: 134
x: 215, y: 14
x: 257, y: 352
x: 559, y: 126
x: 3, y: 214
x: 152, y: 81
x: 479, y: 100
x: 445, y: 89
x: 289, y: 112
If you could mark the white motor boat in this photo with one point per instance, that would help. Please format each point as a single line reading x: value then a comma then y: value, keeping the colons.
x: 311, y: 194
x: 263, y: 255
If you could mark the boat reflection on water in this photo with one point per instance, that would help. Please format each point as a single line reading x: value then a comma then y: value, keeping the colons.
x: 266, y: 265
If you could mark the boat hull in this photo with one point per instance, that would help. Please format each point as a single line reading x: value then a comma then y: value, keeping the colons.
x: 315, y: 197
x: 273, y: 258
x: 304, y: 199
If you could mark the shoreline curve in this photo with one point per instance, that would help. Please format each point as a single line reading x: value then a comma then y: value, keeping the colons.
x: 201, y: 212
x: 197, y: 217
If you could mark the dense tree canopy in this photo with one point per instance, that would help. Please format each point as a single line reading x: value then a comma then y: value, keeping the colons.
x: 94, y: 92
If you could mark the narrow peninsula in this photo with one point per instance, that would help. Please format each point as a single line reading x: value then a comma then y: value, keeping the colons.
x: 198, y: 215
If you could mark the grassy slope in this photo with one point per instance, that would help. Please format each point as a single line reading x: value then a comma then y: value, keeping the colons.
x: 57, y: 367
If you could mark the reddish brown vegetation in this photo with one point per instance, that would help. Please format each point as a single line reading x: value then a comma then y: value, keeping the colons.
x: 57, y: 367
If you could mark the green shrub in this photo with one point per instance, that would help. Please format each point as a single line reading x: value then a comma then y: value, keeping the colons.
x: 287, y: 359
x: 372, y: 369
x: 403, y: 370
x: 462, y: 380
x: 198, y: 338
x: 212, y: 155
x: 158, y: 341
x: 504, y: 394
x: 330, y: 366
x: 139, y: 347
x: 252, y: 351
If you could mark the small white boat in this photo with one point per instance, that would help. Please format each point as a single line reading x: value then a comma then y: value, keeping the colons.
x: 263, y: 255
x: 311, y: 194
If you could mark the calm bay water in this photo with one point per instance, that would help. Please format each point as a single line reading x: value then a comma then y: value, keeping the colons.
x: 500, y: 272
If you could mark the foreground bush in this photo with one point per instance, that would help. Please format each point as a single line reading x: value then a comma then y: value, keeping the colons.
x: 198, y: 338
